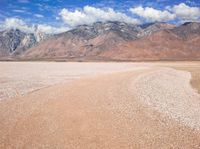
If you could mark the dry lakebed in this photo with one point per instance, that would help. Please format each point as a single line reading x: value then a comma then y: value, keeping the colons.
x: 99, y: 105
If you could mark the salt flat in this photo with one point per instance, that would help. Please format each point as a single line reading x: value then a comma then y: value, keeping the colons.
x: 19, y: 78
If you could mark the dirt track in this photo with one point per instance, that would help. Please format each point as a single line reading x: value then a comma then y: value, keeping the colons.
x: 93, y: 112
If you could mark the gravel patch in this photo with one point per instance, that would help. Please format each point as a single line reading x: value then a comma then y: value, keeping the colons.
x: 169, y: 91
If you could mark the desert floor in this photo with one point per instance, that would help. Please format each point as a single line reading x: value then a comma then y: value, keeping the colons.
x: 99, y: 105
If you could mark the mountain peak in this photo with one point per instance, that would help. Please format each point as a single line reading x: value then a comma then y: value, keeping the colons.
x: 126, y: 31
x: 15, y: 41
x: 150, y: 28
x: 191, y: 23
x: 187, y: 29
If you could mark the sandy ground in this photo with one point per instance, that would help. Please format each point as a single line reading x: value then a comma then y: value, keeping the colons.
x: 141, y: 106
x: 195, y: 72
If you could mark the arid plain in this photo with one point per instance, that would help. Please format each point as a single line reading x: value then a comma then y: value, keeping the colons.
x: 99, y: 105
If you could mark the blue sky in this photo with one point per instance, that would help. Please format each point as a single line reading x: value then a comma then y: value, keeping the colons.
x: 68, y: 13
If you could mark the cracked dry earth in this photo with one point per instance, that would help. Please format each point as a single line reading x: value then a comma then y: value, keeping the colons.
x: 152, y: 107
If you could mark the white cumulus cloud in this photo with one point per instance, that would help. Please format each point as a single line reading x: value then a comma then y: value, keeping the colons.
x: 16, y: 24
x: 89, y: 15
x: 50, y: 29
x: 23, y: 26
x: 151, y: 15
x: 185, y: 12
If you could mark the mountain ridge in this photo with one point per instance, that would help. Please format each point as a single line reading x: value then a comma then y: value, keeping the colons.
x: 114, y: 40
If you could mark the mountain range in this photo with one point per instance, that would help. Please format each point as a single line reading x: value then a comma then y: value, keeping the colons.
x: 112, y: 41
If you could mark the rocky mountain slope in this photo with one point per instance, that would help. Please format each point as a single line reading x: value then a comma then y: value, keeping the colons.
x: 120, y: 41
x: 179, y: 43
x: 14, y: 41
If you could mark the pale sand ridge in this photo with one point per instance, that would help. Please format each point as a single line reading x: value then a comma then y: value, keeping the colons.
x: 169, y: 91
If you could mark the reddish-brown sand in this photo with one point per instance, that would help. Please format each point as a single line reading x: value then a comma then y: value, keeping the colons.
x: 91, y: 112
